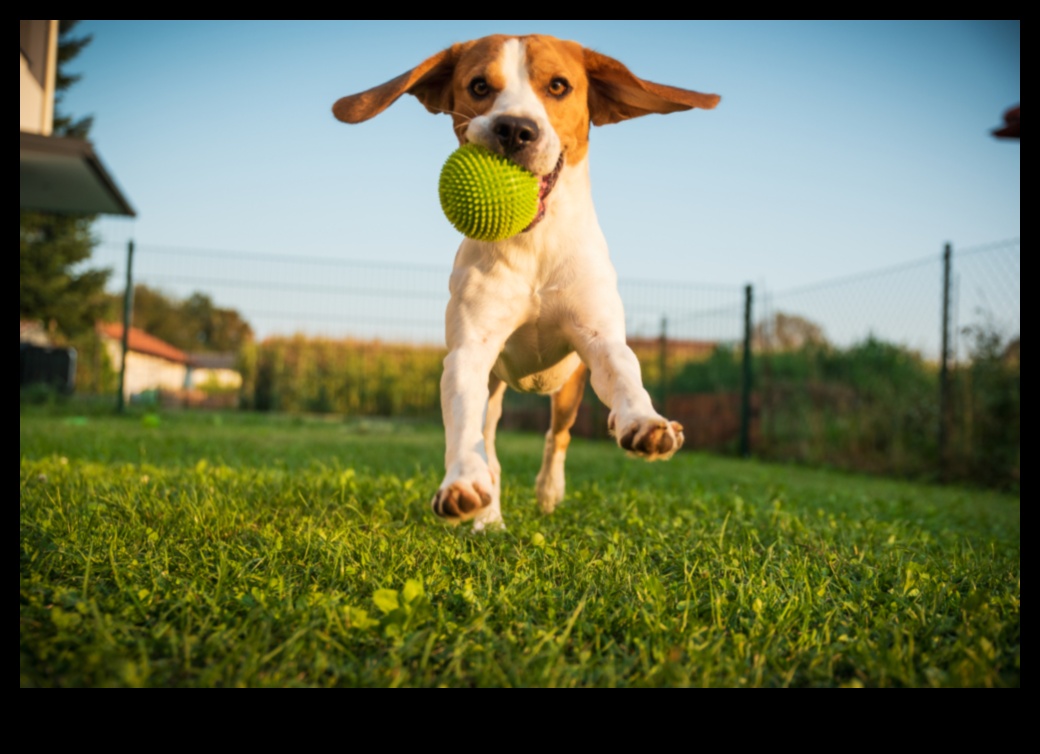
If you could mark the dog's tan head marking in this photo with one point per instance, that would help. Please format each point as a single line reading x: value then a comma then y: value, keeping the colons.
x: 617, y: 94
x: 427, y: 81
x: 558, y: 86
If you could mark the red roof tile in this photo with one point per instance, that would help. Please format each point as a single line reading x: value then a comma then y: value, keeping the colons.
x: 142, y: 342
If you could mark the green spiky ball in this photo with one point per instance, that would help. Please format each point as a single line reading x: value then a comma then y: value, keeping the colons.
x: 485, y: 196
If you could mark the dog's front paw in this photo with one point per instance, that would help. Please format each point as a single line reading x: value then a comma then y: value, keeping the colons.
x: 461, y: 500
x: 652, y: 438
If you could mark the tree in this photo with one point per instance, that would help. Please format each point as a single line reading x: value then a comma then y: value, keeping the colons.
x: 69, y: 47
x: 194, y: 324
x: 53, y: 286
x: 215, y: 329
x: 787, y: 332
x: 67, y: 301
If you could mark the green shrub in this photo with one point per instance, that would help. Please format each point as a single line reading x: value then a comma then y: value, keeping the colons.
x: 348, y: 377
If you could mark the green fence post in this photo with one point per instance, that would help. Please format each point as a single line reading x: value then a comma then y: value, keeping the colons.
x: 745, y: 381
x: 944, y: 369
x: 128, y: 311
x: 663, y: 367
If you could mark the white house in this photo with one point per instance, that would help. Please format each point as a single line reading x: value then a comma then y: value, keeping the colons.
x: 151, y: 363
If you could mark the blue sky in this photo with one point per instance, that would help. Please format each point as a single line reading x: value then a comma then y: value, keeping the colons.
x: 838, y: 147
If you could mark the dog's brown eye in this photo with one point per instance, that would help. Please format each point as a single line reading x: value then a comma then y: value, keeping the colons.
x: 559, y: 86
x: 479, y: 88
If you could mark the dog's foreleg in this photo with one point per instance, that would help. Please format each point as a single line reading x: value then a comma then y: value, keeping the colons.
x: 618, y: 382
x: 565, y: 403
x: 468, y: 489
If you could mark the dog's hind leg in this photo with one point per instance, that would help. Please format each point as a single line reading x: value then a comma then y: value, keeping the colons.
x: 492, y: 515
x: 565, y: 404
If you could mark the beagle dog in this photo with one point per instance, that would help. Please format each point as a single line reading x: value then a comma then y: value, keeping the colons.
x: 539, y: 311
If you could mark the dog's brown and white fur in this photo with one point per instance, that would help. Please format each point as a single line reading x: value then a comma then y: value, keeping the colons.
x: 538, y: 311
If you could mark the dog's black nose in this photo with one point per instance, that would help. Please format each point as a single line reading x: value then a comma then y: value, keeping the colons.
x: 515, y: 133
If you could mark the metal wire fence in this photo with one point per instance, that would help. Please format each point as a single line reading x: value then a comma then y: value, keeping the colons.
x: 986, y: 291
x: 846, y: 372
x: 282, y: 295
x: 333, y: 334
x: 336, y: 298
x: 854, y: 372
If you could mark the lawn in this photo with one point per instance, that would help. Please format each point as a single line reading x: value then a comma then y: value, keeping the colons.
x: 248, y: 550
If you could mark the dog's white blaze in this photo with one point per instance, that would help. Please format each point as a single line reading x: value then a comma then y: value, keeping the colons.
x: 518, y: 99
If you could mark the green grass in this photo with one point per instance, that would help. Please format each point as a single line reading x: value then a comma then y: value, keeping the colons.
x: 242, y: 550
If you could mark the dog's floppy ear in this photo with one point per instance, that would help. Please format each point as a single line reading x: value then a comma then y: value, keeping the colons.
x: 430, y: 82
x: 617, y: 94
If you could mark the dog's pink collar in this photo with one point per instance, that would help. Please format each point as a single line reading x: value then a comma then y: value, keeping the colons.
x: 545, y: 185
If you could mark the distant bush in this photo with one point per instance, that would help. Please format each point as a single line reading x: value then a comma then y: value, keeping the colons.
x: 95, y: 373
x: 40, y: 394
x: 986, y: 421
x: 872, y: 406
x: 349, y: 377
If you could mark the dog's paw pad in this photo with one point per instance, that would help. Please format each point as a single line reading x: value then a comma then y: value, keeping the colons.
x: 653, y: 439
x: 460, y: 501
